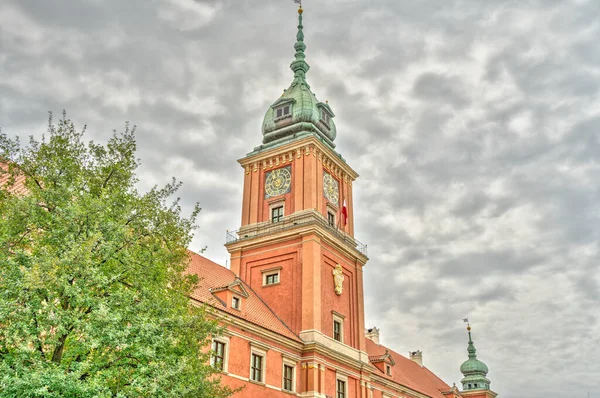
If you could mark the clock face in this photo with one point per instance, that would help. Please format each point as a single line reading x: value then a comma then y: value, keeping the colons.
x: 278, y: 182
x: 330, y: 188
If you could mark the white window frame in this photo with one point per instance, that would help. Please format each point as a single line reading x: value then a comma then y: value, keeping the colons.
x: 269, y: 272
x: 282, y: 108
x: 337, y: 317
x: 344, y: 378
x: 325, y: 116
x: 292, y: 364
x: 239, y: 300
x: 263, y: 373
x: 330, y: 212
x: 226, y: 342
x: 273, y: 205
x: 331, y: 208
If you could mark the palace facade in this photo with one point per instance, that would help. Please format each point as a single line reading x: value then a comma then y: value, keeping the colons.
x: 292, y: 301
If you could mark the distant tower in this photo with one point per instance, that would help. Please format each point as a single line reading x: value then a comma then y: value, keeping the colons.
x: 475, y: 384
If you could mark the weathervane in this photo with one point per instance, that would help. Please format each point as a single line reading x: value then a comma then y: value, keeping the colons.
x: 298, y: 2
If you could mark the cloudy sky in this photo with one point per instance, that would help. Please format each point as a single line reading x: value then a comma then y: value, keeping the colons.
x: 474, y: 126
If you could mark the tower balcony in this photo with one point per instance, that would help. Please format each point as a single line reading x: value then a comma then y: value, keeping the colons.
x: 296, y: 221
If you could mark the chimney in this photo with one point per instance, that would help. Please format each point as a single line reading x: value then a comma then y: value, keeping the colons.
x: 373, y: 335
x: 416, y: 356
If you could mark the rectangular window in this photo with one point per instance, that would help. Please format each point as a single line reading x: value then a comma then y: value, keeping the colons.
x: 271, y: 276
x: 388, y: 370
x: 218, y: 358
x: 282, y: 111
x: 337, y: 330
x: 272, y: 279
x: 235, y: 303
x: 331, y: 219
x: 257, y: 368
x: 288, y: 378
x: 277, y: 214
x: 341, y: 389
x: 325, y: 116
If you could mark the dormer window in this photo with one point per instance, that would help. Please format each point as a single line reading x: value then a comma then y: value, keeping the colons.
x: 325, y: 116
x: 282, y: 108
x: 282, y: 111
x: 235, y: 303
x: 388, y: 370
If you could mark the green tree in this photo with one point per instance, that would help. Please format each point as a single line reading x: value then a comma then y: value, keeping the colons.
x: 94, y: 299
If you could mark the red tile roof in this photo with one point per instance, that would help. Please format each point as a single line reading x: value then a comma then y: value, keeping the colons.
x: 409, y: 373
x: 214, y: 276
x: 19, y: 184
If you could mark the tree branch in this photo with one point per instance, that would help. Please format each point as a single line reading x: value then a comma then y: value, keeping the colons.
x: 112, y: 171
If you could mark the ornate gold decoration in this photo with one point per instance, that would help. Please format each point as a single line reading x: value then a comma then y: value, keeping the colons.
x: 278, y: 182
x: 330, y: 188
x: 338, y: 279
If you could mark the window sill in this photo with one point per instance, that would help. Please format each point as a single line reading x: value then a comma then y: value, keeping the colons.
x: 289, y: 392
x: 277, y: 119
x: 271, y: 284
x: 260, y: 383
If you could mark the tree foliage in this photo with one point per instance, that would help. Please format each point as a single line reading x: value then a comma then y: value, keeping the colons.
x: 94, y: 300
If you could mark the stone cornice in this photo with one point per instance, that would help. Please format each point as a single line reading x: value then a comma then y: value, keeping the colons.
x: 289, y: 152
x: 396, y: 387
x: 357, y: 360
x: 298, y: 224
x: 318, y: 342
x: 478, y: 393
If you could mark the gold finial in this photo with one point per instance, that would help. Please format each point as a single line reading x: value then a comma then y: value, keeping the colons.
x: 326, y: 101
x: 469, y: 328
x: 300, y: 10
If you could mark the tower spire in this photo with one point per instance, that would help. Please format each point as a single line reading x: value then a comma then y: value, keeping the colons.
x: 471, y: 348
x: 474, y: 370
x: 298, y: 113
x: 299, y: 65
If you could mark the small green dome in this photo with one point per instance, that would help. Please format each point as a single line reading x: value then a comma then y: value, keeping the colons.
x: 298, y: 112
x: 473, y: 366
x: 474, y: 370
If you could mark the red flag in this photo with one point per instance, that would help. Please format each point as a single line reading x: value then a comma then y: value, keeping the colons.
x: 345, y: 213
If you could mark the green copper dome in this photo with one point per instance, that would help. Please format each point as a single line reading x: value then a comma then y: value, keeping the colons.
x: 298, y: 112
x: 474, y: 370
x: 473, y: 366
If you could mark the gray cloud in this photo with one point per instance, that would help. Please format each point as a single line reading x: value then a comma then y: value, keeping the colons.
x: 474, y: 126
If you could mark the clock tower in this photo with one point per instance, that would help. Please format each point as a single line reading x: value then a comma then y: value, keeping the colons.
x: 296, y: 245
